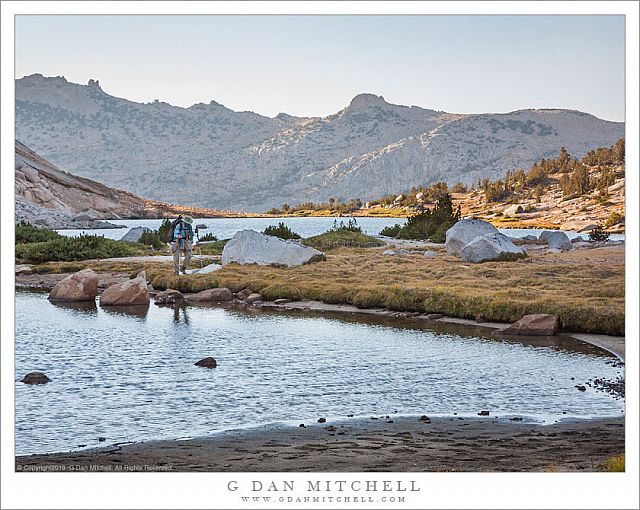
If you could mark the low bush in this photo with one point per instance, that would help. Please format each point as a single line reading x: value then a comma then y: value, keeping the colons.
x: 391, y: 231
x: 598, y: 234
x: 83, y: 247
x: 613, y: 219
x: 152, y: 238
x: 27, y: 233
x: 430, y: 224
x: 207, y: 238
x: 342, y: 238
x: 281, y: 231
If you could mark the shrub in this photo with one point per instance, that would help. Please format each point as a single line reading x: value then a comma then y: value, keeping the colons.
x: 391, y: 231
x: 75, y: 248
x: 281, y: 231
x: 164, y: 230
x: 152, y: 238
x: 342, y: 238
x: 207, y: 237
x: 431, y: 223
x: 27, y: 233
x: 614, y: 464
x: 613, y: 219
x: 598, y: 234
x: 350, y: 226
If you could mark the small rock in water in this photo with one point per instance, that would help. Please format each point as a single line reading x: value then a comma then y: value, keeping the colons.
x: 424, y: 417
x: 516, y: 418
x: 322, y: 420
x: 483, y: 413
x: 580, y: 387
x: 102, y: 439
x: 301, y: 425
x: 35, y: 378
x: 389, y: 421
x: 207, y: 363
x: 330, y: 428
x: 282, y: 301
x: 349, y: 416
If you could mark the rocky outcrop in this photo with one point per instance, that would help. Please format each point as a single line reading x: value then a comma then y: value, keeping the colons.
x: 129, y: 293
x: 218, y: 295
x: 490, y: 247
x: 539, y: 324
x: 49, y: 197
x: 514, y: 209
x: 465, y: 231
x: 251, y: 247
x: 134, y: 234
x: 80, y: 286
x: 168, y: 296
x: 35, y: 378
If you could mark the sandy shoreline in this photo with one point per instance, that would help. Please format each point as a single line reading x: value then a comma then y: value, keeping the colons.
x: 382, y: 444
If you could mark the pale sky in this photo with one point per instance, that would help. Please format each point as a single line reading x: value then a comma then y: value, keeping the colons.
x: 314, y: 65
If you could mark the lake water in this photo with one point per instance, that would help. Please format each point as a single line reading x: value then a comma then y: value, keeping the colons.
x: 130, y: 375
x: 225, y: 228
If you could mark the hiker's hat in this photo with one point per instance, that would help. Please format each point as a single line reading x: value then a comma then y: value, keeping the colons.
x: 188, y: 219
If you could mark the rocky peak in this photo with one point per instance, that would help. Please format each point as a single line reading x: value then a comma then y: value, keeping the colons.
x: 364, y: 101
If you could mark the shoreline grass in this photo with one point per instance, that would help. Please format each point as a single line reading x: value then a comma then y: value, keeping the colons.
x: 585, y: 288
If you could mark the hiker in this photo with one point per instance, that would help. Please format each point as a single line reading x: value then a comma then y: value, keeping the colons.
x: 181, y: 238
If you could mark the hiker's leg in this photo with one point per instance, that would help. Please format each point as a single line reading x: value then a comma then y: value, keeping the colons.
x: 176, y: 260
x: 187, y: 258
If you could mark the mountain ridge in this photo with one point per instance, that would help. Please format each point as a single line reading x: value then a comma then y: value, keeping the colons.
x: 210, y: 155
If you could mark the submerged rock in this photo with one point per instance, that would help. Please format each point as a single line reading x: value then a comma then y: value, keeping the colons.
x: 251, y: 247
x: 465, y: 231
x: 218, y: 294
x: 80, y: 286
x: 489, y: 247
x: 35, y: 378
x: 168, y: 296
x: 483, y: 413
x: 208, y: 362
x: 129, y: 293
x: 539, y: 324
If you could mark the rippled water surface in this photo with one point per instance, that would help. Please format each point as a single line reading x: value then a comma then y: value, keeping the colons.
x: 131, y: 376
x: 225, y: 228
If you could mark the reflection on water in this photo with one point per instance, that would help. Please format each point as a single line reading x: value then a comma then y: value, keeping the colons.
x: 139, y: 311
x: 131, y: 376
x: 78, y: 306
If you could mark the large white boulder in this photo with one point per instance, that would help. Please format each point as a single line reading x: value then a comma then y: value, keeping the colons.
x: 489, y: 247
x: 557, y: 240
x: 134, y: 234
x: 251, y: 247
x: 465, y: 231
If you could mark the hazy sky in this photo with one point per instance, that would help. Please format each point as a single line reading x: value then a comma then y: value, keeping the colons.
x: 314, y: 65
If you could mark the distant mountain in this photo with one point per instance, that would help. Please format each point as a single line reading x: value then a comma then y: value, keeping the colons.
x: 46, y: 196
x: 209, y: 155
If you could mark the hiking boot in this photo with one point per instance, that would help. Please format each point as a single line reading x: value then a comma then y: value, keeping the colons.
x: 183, y: 270
x: 175, y: 273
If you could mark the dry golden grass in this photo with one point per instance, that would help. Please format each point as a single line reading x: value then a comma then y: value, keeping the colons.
x: 584, y: 288
x: 614, y: 464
